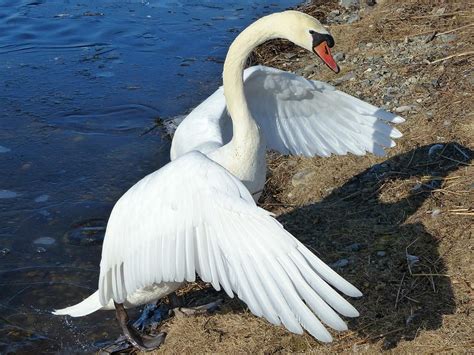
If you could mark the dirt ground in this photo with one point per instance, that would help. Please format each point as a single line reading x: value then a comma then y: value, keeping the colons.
x: 397, y: 227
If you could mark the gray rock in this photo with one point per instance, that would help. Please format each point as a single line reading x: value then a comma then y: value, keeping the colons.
x: 340, y: 263
x: 338, y: 57
x: 344, y: 78
x: 349, y: 3
x: 353, y: 18
x: 354, y: 247
x: 302, y: 177
x: 401, y: 109
x: 4, y: 251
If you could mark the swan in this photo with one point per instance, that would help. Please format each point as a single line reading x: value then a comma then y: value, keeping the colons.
x: 280, y: 110
x: 198, y: 213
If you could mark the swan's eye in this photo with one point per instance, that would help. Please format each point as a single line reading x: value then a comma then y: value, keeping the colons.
x: 312, y: 32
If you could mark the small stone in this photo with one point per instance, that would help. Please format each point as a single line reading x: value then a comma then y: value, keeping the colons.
x: 381, y: 253
x: 40, y: 250
x: 302, y: 177
x: 349, y: 3
x: 401, y: 109
x: 4, y: 251
x: 344, y: 78
x: 353, y: 18
x: 354, y: 247
x: 412, y: 259
x: 339, y: 57
x: 340, y: 263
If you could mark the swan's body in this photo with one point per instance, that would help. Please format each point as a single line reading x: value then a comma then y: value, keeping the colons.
x: 196, y: 214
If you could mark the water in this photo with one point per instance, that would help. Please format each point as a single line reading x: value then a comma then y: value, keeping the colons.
x: 80, y: 84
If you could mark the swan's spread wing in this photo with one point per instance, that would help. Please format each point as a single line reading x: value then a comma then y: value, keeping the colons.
x: 201, y: 130
x: 194, y: 216
x: 305, y: 117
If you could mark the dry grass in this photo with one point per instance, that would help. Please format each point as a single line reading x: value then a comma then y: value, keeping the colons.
x: 416, y: 205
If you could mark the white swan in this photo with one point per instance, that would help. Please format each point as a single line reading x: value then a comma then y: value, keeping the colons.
x: 280, y: 110
x: 193, y: 215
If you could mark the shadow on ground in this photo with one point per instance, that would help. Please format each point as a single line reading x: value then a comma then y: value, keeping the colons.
x: 372, y: 230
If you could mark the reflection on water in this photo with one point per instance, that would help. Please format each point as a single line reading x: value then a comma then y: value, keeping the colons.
x: 81, y: 81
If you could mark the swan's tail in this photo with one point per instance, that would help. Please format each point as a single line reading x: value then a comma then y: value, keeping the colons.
x: 88, y: 306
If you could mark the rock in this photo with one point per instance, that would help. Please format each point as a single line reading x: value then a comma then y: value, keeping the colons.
x: 381, y: 253
x: 346, y: 77
x: 354, y: 247
x: 349, y: 3
x: 401, y: 109
x: 412, y: 259
x: 353, y: 18
x: 40, y: 250
x: 302, y: 177
x: 340, y: 263
x: 339, y: 57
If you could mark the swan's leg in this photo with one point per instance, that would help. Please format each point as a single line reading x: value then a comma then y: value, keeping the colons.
x: 195, y: 311
x: 143, y: 343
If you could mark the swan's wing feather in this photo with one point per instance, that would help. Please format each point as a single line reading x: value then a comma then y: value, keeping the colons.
x: 194, y: 216
x: 305, y: 117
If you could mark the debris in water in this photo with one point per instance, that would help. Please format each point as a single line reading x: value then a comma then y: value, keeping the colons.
x: 45, y: 241
x: 8, y: 194
x: 42, y: 198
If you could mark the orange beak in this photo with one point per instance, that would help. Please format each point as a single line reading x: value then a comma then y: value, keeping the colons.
x: 323, y: 51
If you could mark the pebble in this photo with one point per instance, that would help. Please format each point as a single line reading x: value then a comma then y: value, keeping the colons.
x: 302, y: 177
x: 344, y: 78
x: 349, y: 3
x: 412, y: 259
x: 354, y: 247
x: 340, y: 263
x: 401, y: 109
x: 339, y: 57
x: 435, y: 213
x: 353, y: 18
x: 381, y: 253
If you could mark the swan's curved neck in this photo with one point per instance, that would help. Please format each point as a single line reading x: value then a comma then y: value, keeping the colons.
x: 244, y: 126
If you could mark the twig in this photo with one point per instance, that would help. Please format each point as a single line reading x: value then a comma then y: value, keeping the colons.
x: 452, y: 56
x: 399, y: 288
x: 454, y: 29
x: 437, y: 15
x: 455, y: 160
x: 463, y: 213
x: 460, y: 151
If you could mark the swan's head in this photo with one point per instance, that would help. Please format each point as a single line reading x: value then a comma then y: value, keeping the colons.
x: 307, y: 32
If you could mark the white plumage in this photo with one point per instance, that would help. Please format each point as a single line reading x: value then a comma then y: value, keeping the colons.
x: 193, y: 216
x: 297, y: 116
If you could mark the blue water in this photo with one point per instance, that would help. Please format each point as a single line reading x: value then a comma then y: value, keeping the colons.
x: 80, y: 84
